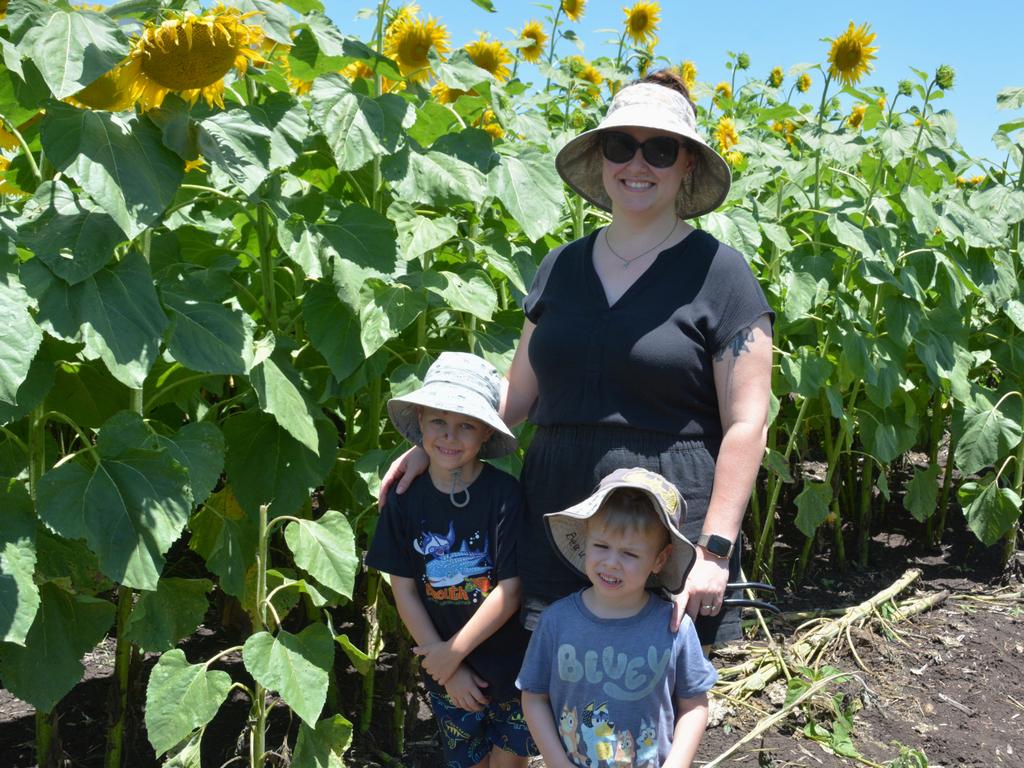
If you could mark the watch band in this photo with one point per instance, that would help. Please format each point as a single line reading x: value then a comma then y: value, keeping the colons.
x: 719, y: 546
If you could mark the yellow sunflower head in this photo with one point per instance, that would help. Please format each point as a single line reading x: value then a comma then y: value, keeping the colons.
x: 775, y: 77
x: 574, y: 9
x: 722, y: 91
x: 688, y: 74
x: 489, y: 122
x: 642, y: 21
x: 725, y: 133
x: 3, y: 8
x: 850, y: 56
x: 533, y: 30
x: 189, y: 55
x: 7, y: 139
x: 410, y: 41
x: 882, y: 103
x: 590, y: 74
x: 803, y: 83
x: 7, y: 187
x: 857, y: 115
x: 490, y: 55
x: 357, y: 70
x: 734, y: 158
x: 445, y: 95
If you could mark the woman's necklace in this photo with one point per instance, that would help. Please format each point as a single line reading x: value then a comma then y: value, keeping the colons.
x: 627, y: 262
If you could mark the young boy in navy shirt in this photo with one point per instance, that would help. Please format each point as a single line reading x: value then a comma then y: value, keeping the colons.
x: 449, y: 544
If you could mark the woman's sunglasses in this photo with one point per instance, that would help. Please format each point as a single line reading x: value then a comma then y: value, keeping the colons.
x: 659, y: 151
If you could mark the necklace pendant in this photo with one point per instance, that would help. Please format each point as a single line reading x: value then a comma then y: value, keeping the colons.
x: 625, y: 264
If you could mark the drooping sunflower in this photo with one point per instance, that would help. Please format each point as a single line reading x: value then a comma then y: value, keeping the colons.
x: 775, y: 77
x: 490, y: 55
x: 189, y: 55
x: 688, y: 73
x: 785, y: 128
x: 445, y: 95
x: 590, y: 74
x: 410, y: 40
x: 856, y: 115
x: 489, y: 122
x: 803, y: 83
x: 725, y: 133
x: 642, y: 21
x: 574, y: 9
x: 533, y: 30
x: 850, y: 56
x: 722, y: 91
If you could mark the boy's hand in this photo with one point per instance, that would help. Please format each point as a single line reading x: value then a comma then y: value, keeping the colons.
x: 439, y: 660
x: 464, y: 690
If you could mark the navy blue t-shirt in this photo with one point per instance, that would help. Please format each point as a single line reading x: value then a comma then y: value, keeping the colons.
x: 646, y: 361
x: 457, y: 556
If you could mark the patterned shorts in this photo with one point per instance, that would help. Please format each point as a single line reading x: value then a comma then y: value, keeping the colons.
x: 468, y: 737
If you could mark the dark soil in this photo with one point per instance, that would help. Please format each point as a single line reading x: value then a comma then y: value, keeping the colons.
x: 951, y: 686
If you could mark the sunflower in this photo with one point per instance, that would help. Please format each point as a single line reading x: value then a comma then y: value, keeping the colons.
x: 489, y: 122
x: 3, y: 8
x: 298, y: 85
x: 882, y: 103
x: 409, y: 42
x: 6, y: 187
x: 642, y: 21
x: 688, y: 73
x: 7, y: 139
x: 722, y: 91
x: 734, y: 158
x: 190, y: 55
x: 803, y: 83
x: 725, y: 134
x: 490, y: 55
x: 849, y: 58
x: 775, y: 77
x: 445, y: 95
x: 857, y: 115
x: 574, y: 9
x: 590, y: 74
x: 532, y: 30
x: 197, y: 163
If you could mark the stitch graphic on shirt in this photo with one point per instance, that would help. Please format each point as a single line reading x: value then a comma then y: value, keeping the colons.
x: 647, y: 746
x: 445, y: 568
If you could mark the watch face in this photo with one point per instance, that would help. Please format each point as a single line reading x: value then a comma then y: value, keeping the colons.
x: 717, y: 545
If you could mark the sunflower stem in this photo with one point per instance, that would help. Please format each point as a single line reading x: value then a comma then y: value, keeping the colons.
x: 917, y: 139
x: 29, y: 158
x: 817, y: 164
x: 267, y: 266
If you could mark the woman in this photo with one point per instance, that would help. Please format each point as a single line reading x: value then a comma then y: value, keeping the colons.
x: 647, y: 343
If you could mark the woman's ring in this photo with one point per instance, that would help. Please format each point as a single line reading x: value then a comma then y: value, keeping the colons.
x: 709, y: 607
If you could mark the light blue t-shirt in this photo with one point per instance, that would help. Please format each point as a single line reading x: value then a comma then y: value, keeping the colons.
x: 612, y: 682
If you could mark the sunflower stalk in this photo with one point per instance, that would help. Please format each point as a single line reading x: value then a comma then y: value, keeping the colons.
x: 554, y: 40
x: 917, y: 139
x: 26, y: 152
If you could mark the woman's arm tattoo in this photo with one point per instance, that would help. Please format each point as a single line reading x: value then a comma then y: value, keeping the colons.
x: 738, y: 343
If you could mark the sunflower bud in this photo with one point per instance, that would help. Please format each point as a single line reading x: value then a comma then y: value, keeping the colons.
x: 742, y: 61
x: 944, y: 77
x: 905, y: 88
x: 775, y: 78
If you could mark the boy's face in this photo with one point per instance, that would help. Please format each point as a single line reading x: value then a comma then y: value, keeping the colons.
x: 619, y: 562
x: 451, y: 440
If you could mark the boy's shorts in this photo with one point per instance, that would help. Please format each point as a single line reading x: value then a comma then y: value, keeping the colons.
x: 467, y: 737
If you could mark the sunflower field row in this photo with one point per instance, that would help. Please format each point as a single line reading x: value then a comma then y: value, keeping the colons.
x: 229, y: 234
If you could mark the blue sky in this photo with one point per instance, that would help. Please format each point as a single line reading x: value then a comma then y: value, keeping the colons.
x: 980, y: 39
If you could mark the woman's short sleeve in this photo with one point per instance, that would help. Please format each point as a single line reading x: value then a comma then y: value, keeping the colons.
x: 533, y: 302
x: 734, y: 297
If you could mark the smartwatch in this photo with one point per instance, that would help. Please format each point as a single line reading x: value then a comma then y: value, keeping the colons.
x: 719, y: 546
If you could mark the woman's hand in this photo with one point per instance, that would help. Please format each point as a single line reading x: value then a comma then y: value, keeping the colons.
x: 464, y: 689
x: 704, y: 590
x: 404, y: 469
x: 439, y: 660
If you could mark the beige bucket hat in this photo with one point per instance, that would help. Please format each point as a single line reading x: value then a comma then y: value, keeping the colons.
x: 648, y: 105
x: 457, y: 382
x: 568, y: 528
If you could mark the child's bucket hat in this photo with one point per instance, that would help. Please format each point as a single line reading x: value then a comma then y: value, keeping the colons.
x: 648, y: 105
x: 461, y: 383
x: 568, y: 528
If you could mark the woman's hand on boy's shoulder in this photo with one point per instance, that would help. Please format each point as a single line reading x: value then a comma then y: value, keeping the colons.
x: 403, y: 471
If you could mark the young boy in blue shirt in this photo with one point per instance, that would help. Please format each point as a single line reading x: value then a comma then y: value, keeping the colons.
x: 605, y: 682
x: 449, y: 544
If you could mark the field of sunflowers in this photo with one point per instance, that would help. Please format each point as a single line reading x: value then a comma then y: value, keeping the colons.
x: 229, y: 234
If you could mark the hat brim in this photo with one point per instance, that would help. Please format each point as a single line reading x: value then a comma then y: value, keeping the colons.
x: 580, y: 164
x: 567, y: 530
x: 447, y: 397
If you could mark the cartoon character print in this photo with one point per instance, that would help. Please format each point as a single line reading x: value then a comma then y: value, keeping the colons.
x: 625, y: 750
x: 647, y: 746
x: 445, y: 567
x: 568, y: 723
x: 598, y: 735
